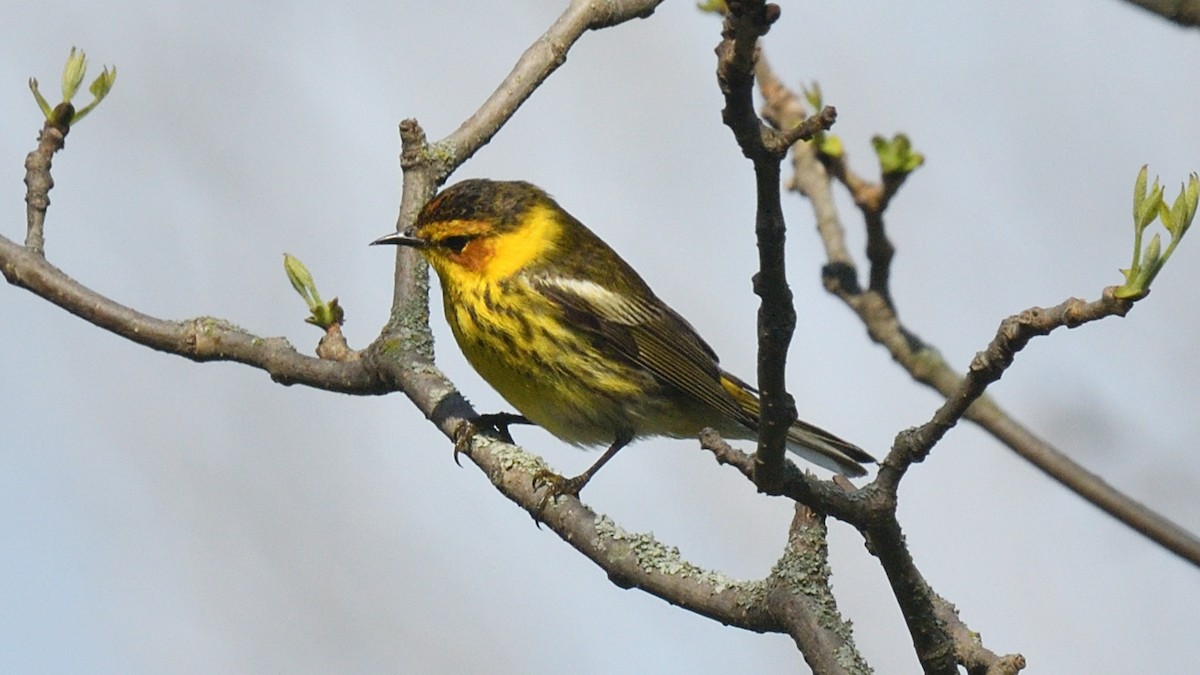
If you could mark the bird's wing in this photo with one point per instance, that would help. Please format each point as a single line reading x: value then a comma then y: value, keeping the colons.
x: 646, y: 333
x: 652, y: 336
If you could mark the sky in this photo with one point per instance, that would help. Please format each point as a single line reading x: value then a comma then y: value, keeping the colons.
x: 158, y: 515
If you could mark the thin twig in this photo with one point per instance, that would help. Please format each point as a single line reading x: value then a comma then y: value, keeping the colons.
x: 925, y: 365
x: 198, y: 339
x: 824, y: 496
x: 969, y: 649
x: 38, y: 184
x: 541, y: 59
x: 939, y: 645
x: 937, y: 631
x: 745, y: 23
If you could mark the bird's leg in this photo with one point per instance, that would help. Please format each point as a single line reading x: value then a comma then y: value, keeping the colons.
x: 557, y: 485
x: 497, y: 422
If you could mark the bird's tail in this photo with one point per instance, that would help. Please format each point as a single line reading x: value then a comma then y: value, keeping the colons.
x: 810, y: 442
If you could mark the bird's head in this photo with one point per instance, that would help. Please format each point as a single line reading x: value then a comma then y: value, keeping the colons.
x: 481, y: 230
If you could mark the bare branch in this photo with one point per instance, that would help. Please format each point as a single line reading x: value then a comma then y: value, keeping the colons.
x: 969, y: 649
x: 541, y: 59
x: 925, y: 365
x: 844, y: 503
x: 934, y: 644
x: 1014, y: 333
x: 744, y: 23
x: 38, y: 184
x: 199, y: 339
x: 940, y: 637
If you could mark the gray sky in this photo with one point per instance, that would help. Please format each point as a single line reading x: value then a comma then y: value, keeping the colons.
x: 164, y: 516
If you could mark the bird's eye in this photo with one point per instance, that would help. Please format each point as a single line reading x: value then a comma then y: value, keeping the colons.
x: 455, y: 243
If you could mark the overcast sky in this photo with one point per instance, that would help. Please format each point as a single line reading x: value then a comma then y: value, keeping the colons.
x: 158, y: 515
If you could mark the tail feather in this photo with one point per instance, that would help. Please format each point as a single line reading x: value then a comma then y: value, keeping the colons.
x: 806, y: 440
x: 824, y: 449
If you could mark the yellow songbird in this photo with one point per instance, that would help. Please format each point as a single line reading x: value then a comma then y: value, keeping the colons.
x: 569, y: 334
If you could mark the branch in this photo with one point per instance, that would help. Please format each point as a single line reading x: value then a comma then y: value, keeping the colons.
x: 630, y: 560
x: 38, y: 184
x: 939, y: 636
x: 744, y: 24
x: 199, y: 339
x: 541, y: 59
x: 934, y: 644
x: 402, y: 357
x: 843, y: 502
x: 969, y: 649
x: 987, y: 367
x: 812, y: 179
x: 799, y: 594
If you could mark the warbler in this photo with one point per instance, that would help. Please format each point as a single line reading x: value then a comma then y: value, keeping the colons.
x: 572, y: 337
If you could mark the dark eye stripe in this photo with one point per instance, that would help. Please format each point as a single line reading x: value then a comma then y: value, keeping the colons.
x: 454, y: 243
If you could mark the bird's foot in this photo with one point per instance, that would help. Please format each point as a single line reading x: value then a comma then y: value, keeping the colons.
x: 556, y: 486
x: 498, y: 422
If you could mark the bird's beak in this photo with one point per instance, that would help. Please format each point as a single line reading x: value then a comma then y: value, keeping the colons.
x: 400, y: 239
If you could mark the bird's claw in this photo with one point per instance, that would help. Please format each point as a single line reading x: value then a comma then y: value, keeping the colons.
x: 554, y: 486
x: 463, y: 434
x: 498, y: 422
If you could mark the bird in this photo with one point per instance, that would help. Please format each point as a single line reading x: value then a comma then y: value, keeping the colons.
x: 570, y: 334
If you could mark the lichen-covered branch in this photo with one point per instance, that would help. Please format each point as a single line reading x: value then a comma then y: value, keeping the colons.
x: 800, y: 596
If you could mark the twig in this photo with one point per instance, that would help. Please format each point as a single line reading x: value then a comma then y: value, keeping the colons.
x: 969, y: 649
x: 939, y: 645
x: 1014, y: 333
x: 940, y: 637
x: 823, y: 496
x: 541, y: 59
x: 745, y: 22
x: 198, y: 339
x: 38, y: 184
x: 875, y: 309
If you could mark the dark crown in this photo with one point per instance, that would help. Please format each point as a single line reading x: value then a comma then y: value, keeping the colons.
x: 501, y: 202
